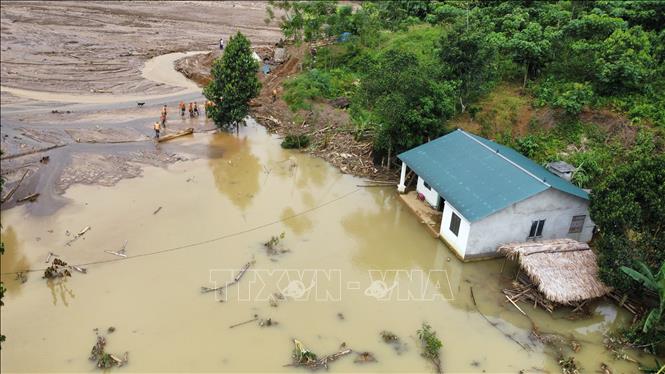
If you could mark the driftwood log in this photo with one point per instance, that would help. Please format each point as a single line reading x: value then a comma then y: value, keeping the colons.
x: 235, y: 280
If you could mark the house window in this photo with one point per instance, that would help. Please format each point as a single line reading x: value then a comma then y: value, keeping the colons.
x: 536, y: 229
x: 455, y: 223
x: 426, y: 185
x: 576, y: 224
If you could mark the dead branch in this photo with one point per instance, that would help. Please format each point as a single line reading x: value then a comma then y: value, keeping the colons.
x: 11, y: 192
x: 473, y: 298
x: 235, y: 280
x: 244, y: 323
x: 31, y: 198
x: 86, y: 229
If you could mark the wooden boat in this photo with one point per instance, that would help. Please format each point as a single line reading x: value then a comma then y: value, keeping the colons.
x: 178, y: 134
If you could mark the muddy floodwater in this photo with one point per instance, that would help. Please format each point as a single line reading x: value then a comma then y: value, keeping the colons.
x: 358, y: 262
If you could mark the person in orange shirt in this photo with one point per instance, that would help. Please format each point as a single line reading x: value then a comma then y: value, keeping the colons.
x: 182, y: 108
x: 156, y: 127
x: 191, y: 110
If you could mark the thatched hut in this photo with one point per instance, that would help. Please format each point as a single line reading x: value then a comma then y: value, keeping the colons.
x: 564, y: 271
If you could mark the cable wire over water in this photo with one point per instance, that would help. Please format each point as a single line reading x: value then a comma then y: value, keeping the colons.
x: 207, y: 241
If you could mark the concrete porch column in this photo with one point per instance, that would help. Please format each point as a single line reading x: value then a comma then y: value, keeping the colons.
x: 401, y: 187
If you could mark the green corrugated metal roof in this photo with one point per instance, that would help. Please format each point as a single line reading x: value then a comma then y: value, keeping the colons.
x: 480, y: 177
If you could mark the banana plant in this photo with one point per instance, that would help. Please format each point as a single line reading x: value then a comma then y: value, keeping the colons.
x: 653, y: 282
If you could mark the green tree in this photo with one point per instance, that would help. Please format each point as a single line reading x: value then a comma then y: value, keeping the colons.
x: 629, y: 211
x: 624, y: 61
x: 234, y: 83
x: 468, y: 53
x: 410, y: 106
x: 655, y: 283
x: 530, y: 47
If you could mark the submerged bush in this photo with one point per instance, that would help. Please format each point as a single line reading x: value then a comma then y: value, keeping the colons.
x: 295, y: 141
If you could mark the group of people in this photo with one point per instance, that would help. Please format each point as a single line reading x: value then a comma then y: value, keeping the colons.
x: 193, y: 109
x: 160, y: 125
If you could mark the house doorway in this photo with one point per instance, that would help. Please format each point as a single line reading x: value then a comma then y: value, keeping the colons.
x: 440, y: 204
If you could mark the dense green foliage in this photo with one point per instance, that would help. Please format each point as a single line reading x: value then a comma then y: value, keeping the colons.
x: 629, y: 210
x: 570, y: 56
x: 295, y: 141
x: 234, y: 83
x: 655, y: 283
x: 408, y: 105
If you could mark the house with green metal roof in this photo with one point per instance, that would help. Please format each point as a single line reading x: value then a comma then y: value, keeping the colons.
x: 489, y: 195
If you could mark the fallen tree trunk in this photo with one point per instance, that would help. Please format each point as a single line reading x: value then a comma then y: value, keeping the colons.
x: 11, y: 192
x: 31, y: 198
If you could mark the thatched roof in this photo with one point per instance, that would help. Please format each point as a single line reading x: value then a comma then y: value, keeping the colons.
x: 564, y: 270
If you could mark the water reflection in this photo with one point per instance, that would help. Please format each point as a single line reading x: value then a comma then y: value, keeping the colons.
x: 299, y: 225
x: 13, y: 260
x: 382, y: 243
x: 237, y: 173
x: 60, y: 290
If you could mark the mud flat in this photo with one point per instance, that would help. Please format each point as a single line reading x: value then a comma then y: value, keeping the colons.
x: 100, y: 47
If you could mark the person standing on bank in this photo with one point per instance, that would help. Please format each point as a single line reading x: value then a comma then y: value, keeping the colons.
x: 156, y: 126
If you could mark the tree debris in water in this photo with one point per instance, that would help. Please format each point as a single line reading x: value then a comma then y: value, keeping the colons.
x: 21, y: 277
x: 106, y: 360
x: 604, y: 369
x: 79, y: 269
x: 493, y: 324
x: 394, y: 340
x: 364, y: 357
x: 157, y: 210
x: 235, y: 280
x: 340, y: 316
x: 80, y: 234
x: 616, y: 344
x: 13, y: 190
x: 256, y: 317
x: 302, y: 357
x: 268, y: 322
x: 568, y: 365
x: 263, y: 322
x: 275, y: 298
x: 121, y: 252
x: 58, y: 269
x: 431, y: 346
x: 50, y: 254
x: 31, y: 198
x: 274, y: 247
x: 389, y: 337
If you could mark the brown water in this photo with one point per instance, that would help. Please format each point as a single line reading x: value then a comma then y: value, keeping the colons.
x: 342, y: 240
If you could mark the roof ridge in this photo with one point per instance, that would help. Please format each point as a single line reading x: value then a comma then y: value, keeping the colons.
x: 505, y: 158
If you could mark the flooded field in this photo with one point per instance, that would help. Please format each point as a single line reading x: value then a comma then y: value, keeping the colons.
x: 358, y: 263
x: 347, y: 263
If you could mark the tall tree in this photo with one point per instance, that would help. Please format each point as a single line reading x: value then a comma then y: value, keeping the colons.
x: 629, y: 210
x: 624, y: 62
x: 531, y: 48
x: 234, y: 83
x: 411, y: 106
x: 468, y: 54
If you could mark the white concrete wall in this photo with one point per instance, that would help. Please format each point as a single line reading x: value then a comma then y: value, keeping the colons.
x: 512, y: 224
x: 458, y: 242
x: 431, y: 196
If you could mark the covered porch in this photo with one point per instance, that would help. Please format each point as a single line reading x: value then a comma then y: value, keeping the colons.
x: 427, y: 215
